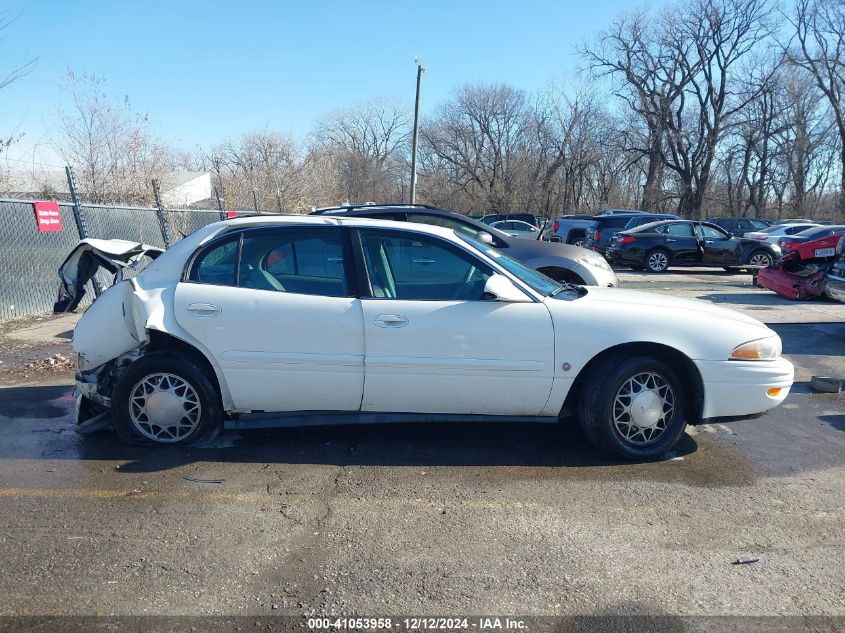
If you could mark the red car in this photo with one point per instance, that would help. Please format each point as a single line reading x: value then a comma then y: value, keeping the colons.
x: 801, y: 272
x: 817, y: 238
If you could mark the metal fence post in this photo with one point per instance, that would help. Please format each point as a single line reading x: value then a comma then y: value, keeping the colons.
x: 220, y: 204
x: 79, y: 218
x: 81, y: 227
x: 162, y: 217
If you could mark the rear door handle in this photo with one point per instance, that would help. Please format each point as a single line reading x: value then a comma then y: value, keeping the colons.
x: 424, y: 261
x: 203, y: 309
x: 390, y: 320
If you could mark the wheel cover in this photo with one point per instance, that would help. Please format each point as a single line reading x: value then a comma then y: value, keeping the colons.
x: 643, y: 408
x: 760, y: 259
x: 658, y: 261
x: 164, y: 407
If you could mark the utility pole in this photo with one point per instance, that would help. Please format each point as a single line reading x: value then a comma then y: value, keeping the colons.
x: 420, y: 71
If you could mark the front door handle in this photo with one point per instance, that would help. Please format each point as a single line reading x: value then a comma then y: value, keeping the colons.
x: 390, y: 320
x: 203, y: 309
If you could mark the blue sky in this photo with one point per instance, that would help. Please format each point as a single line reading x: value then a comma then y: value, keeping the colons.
x: 205, y: 70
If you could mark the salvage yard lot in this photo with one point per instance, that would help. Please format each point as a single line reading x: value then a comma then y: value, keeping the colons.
x: 432, y: 519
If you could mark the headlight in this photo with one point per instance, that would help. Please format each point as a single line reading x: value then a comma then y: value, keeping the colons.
x: 761, y: 349
x: 598, y: 262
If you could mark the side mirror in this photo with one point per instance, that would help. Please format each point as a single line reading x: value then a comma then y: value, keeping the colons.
x: 484, y: 237
x: 502, y: 289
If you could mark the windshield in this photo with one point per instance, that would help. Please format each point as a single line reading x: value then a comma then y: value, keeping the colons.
x: 535, y: 280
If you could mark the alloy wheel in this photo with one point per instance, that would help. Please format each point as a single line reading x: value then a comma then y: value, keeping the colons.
x: 761, y: 259
x: 658, y: 262
x: 164, y: 407
x: 643, y: 408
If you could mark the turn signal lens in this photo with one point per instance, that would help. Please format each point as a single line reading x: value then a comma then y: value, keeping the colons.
x: 761, y: 349
x: 774, y: 391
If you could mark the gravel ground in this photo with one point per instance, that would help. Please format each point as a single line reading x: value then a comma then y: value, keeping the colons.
x: 431, y: 519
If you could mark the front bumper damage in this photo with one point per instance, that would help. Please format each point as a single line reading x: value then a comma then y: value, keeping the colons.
x: 93, y: 390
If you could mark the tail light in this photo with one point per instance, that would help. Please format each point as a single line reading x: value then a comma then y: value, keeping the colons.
x: 555, y: 226
x: 627, y: 239
x: 597, y: 235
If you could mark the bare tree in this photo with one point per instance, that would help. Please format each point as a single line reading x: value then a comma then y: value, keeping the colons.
x: 108, y: 143
x: 653, y: 75
x: 709, y: 38
x: 369, y: 144
x: 10, y: 136
x: 477, y: 139
x: 819, y: 48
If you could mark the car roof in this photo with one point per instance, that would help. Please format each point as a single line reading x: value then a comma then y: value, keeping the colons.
x: 369, y: 208
x: 311, y: 220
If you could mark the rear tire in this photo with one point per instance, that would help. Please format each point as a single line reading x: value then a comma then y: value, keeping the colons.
x: 657, y: 260
x: 760, y: 258
x: 634, y: 407
x: 163, y: 400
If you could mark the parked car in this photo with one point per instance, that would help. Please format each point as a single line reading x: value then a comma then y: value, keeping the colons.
x: 741, y: 226
x: 661, y: 245
x: 518, y: 229
x: 569, y: 229
x: 263, y: 321
x: 491, y: 218
x: 559, y: 261
x: 802, y: 272
x: 603, y: 228
x: 834, y: 286
x: 772, y: 234
x: 813, y: 234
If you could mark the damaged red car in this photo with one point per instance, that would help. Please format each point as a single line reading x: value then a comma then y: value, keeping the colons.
x: 801, y: 273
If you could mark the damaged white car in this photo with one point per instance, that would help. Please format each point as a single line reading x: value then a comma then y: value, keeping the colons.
x: 266, y: 321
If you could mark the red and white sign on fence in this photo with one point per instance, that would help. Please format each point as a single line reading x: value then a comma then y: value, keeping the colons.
x: 47, y: 216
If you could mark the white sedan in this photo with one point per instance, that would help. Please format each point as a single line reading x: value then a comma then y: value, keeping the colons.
x: 772, y: 234
x: 283, y: 320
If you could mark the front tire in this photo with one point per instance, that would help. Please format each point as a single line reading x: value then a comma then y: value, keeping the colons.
x: 633, y: 407
x: 164, y: 400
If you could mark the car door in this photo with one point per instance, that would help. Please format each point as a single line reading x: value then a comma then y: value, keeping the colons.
x: 680, y: 239
x: 436, y: 344
x: 277, y: 308
x: 719, y: 248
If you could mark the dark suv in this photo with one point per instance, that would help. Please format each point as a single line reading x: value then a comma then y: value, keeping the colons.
x: 741, y: 226
x: 604, y: 227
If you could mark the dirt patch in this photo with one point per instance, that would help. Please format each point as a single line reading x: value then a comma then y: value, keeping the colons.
x: 22, y: 360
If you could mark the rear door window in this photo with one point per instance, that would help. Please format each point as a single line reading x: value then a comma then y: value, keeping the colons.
x: 299, y: 260
x: 679, y: 230
x: 217, y: 263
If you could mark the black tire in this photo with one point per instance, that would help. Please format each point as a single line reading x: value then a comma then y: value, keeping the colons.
x: 652, y: 266
x: 205, y: 420
x: 604, y: 384
x: 760, y: 253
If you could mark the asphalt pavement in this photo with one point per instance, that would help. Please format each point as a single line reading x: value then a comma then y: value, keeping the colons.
x: 433, y: 519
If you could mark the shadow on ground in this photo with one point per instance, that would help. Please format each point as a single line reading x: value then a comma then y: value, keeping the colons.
x: 42, y: 427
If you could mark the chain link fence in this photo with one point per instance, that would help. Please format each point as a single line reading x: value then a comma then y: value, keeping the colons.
x: 29, y: 259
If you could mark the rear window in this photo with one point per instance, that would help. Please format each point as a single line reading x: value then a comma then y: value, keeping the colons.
x: 612, y: 222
